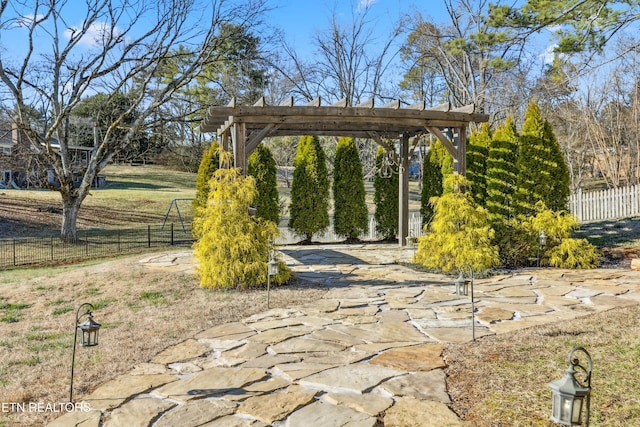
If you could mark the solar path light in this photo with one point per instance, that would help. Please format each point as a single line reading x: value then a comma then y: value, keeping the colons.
x: 571, y: 395
x: 89, y: 336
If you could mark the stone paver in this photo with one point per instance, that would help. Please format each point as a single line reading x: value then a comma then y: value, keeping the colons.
x: 320, y: 414
x: 370, y: 349
x: 409, y: 412
x: 196, y: 412
x: 416, y: 358
x: 421, y: 385
x: 356, y: 378
x: 137, y: 412
x: 276, y: 406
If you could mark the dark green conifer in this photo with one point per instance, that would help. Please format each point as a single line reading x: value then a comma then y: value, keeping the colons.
x: 309, y: 208
x: 385, y: 197
x: 262, y: 167
x: 350, y: 216
x: 502, y: 172
x: 477, y: 153
x: 432, y: 167
x: 542, y: 172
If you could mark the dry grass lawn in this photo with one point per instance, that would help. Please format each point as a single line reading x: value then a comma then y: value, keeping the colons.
x: 142, y: 311
x: 501, y: 381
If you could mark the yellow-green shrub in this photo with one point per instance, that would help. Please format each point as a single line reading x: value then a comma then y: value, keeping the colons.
x: 573, y: 253
x: 459, y: 235
x: 560, y: 249
x: 233, y: 248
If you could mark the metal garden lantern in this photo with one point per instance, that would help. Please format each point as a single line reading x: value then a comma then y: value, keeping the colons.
x: 89, y: 336
x: 462, y: 285
x: 571, y: 395
x: 542, y: 241
x: 273, y: 269
x: 462, y: 288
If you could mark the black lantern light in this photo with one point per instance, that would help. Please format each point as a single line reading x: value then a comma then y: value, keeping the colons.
x: 570, y: 395
x: 273, y: 269
x: 462, y: 288
x: 542, y: 241
x: 462, y: 285
x: 89, y: 337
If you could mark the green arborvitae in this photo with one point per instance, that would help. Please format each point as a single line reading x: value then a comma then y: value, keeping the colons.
x: 309, y: 208
x: 431, y: 179
x: 460, y: 236
x: 233, y: 248
x: 542, y: 172
x: 560, y: 179
x: 262, y: 167
x: 351, y: 215
x: 502, y: 172
x: 477, y: 153
x: 208, y: 165
x: 385, y: 197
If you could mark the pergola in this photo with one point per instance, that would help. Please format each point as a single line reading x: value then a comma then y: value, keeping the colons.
x: 244, y: 127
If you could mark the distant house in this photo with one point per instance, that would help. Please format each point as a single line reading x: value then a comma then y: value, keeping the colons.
x: 20, y: 168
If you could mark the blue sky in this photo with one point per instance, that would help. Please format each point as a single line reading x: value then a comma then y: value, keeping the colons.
x: 301, y: 19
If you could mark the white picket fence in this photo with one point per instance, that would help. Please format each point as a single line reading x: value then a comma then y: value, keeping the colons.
x: 614, y: 203
x: 288, y: 237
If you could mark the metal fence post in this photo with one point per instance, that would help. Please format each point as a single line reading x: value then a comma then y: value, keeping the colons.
x: 171, y: 234
x: 148, y: 236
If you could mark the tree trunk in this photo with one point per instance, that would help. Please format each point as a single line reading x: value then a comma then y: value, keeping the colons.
x: 70, y: 210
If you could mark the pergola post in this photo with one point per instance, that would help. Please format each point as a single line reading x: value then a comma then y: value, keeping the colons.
x: 403, y: 192
x: 460, y: 159
x: 238, y: 137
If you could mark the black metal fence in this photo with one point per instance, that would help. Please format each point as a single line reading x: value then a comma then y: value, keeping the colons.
x: 90, y: 244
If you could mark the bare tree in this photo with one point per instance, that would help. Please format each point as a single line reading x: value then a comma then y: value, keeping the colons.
x: 115, y: 48
x: 348, y: 68
x: 464, y: 61
x: 611, y: 114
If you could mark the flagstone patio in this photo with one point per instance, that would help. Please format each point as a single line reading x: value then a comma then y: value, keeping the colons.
x: 369, y: 353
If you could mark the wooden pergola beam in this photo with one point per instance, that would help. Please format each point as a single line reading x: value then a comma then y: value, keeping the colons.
x: 246, y: 126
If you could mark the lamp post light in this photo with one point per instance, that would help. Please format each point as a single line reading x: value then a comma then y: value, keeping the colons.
x: 570, y: 395
x: 89, y: 338
x: 462, y: 285
x: 462, y: 288
x: 273, y: 269
x: 542, y: 241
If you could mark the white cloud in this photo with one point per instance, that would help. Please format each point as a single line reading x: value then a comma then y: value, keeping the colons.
x: 26, y: 20
x: 365, y: 4
x: 95, y: 35
x: 548, y: 55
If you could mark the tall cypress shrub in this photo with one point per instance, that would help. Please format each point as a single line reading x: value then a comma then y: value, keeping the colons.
x: 502, y: 172
x: 542, y: 172
x: 477, y: 153
x: 431, y: 179
x: 208, y: 165
x: 233, y: 247
x: 262, y: 167
x: 460, y: 235
x: 385, y: 197
x: 350, y: 207
x: 309, y: 208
